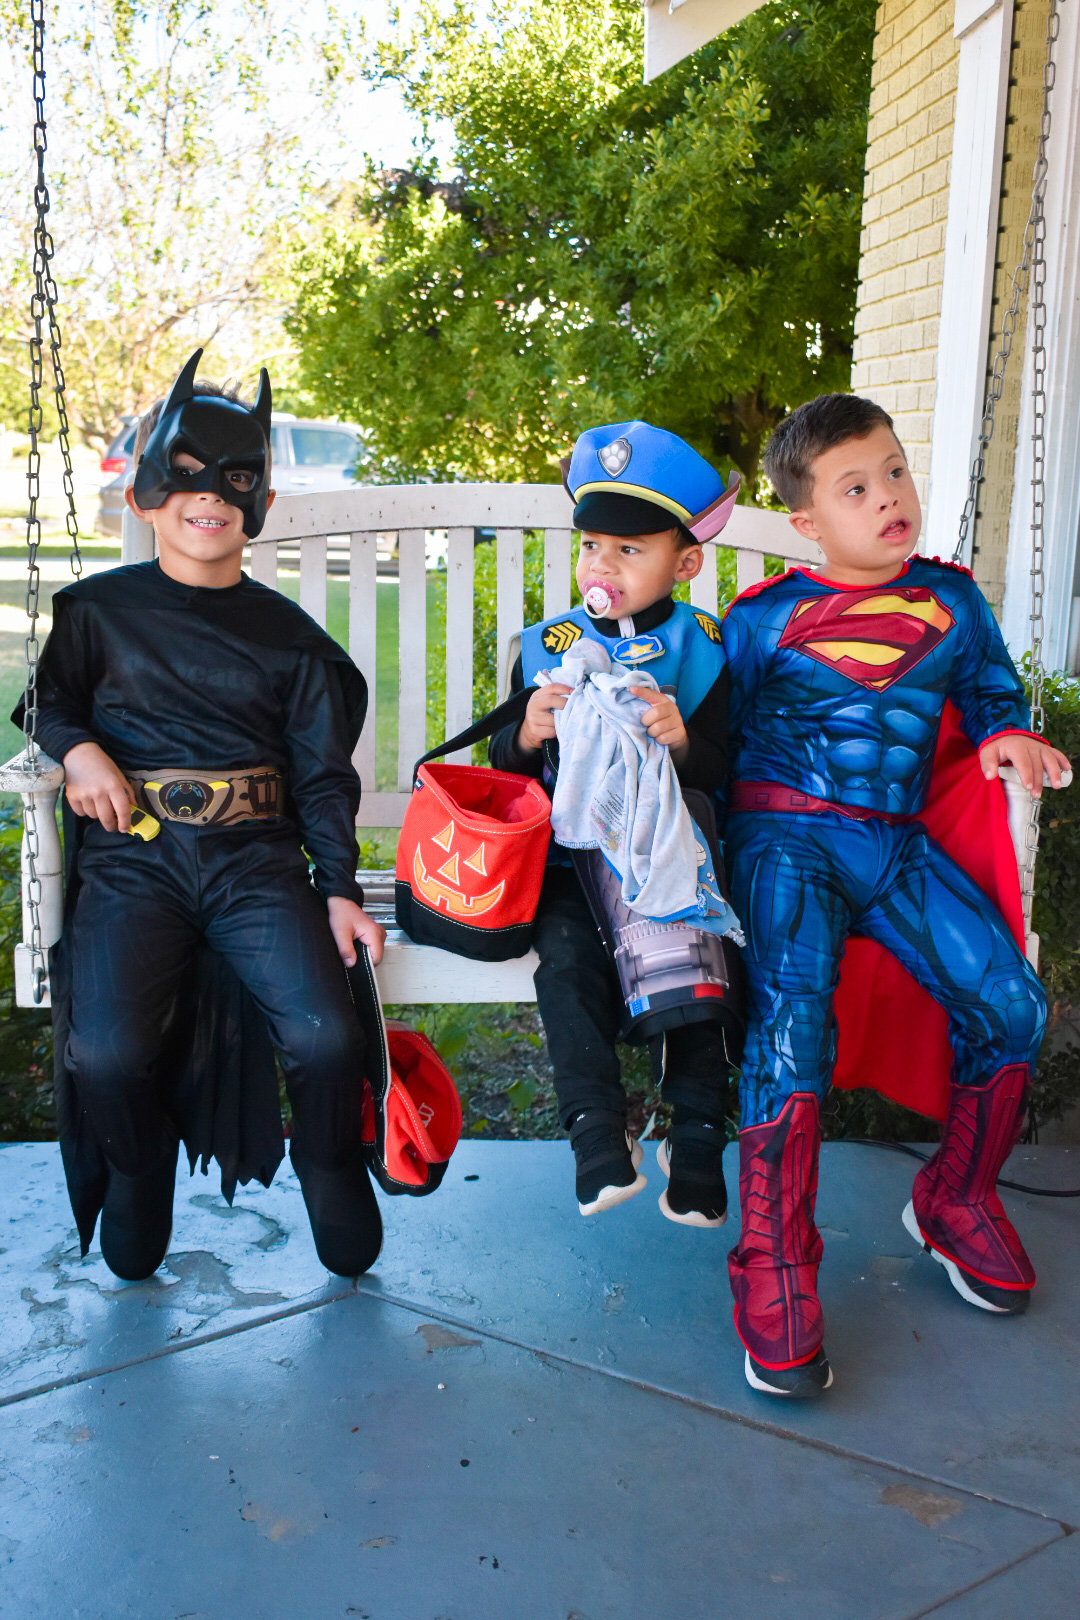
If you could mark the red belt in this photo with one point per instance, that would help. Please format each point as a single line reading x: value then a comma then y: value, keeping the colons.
x: 774, y: 796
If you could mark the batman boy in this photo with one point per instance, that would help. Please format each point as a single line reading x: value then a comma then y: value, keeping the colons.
x: 183, y: 689
x: 645, y: 502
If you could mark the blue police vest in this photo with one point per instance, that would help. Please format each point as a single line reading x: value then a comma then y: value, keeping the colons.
x: 684, y: 652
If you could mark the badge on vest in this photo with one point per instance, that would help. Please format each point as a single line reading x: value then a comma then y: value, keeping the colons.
x: 638, y: 649
x: 559, y: 638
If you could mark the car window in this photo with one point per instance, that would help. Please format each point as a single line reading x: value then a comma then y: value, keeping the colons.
x: 129, y: 442
x: 277, y: 443
x: 323, y: 447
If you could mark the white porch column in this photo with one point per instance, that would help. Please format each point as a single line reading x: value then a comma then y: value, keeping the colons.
x: 1062, y: 508
x: 984, y: 28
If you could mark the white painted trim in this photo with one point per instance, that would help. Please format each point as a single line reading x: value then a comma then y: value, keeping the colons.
x: 675, y: 28
x: 1062, y: 511
x: 970, y: 13
x: 968, y: 276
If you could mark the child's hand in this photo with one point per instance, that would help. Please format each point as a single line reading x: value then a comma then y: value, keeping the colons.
x: 348, y: 922
x: 1030, y: 757
x: 539, y: 722
x: 662, y: 721
x: 96, y: 787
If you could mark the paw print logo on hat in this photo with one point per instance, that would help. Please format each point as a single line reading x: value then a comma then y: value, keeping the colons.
x: 615, y: 457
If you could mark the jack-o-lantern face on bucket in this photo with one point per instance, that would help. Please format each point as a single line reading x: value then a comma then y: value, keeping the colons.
x: 452, y: 885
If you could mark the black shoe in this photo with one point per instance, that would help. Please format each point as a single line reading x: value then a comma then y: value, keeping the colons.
x: 692, y: 1157
x: 607, y: 1161
x: 803, y: 1383
x: 344, y: 1213
x: 136, y: 1217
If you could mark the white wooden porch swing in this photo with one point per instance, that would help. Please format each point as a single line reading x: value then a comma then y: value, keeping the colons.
x: 347, y: 523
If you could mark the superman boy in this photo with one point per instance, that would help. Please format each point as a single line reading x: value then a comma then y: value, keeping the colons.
x: 839, y: 682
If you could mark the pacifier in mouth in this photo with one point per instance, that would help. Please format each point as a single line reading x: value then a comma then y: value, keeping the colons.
x: 599, y: 598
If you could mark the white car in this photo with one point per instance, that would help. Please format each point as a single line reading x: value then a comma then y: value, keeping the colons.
x: 311, y: 455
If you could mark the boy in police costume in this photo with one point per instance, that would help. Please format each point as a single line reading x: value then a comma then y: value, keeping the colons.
x: 645, y: 502
x: 181, y: 692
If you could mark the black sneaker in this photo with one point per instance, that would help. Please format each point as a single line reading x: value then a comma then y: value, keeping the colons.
x: 803, y: 1383
x: 692, y: 1157
x: 607, y: 1161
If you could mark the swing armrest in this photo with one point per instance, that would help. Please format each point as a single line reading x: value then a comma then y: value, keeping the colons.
x: 17, y: 775
x: 1010, y: 775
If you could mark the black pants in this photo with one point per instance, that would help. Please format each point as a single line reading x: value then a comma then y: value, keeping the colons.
x: 141, y: 911
x: 581, y: 1005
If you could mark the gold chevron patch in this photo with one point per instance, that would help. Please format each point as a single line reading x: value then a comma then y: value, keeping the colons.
x: 559, y: 638
x: 709, y: 625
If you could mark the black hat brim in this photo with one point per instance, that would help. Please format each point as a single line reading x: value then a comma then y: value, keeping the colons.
x: 611, y: 512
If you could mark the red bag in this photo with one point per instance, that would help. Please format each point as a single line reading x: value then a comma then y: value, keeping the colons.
x: 472, y: 850
x: 411, y: 1112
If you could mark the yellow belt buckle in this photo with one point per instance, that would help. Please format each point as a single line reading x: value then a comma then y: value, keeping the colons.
x: 144, y: 825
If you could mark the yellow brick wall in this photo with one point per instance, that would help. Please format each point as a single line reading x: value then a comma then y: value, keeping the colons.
x: 904, y: 210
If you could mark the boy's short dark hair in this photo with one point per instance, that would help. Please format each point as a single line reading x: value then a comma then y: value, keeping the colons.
x: 148, y: 420
x: 807, y: 433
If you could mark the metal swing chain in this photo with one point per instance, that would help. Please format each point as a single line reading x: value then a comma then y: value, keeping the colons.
x: 42, y: 309
x: 1038, y: 388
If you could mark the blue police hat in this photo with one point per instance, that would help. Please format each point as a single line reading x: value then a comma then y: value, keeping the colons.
x: 645, y: 467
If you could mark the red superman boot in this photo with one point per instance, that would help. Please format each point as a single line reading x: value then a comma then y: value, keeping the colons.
x: 955, y: 1211
x: 774, y: 1269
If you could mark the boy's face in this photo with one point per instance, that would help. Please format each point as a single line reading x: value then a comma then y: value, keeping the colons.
x: 863, y: 510
x: 200, y: 529
x: 640, y: 569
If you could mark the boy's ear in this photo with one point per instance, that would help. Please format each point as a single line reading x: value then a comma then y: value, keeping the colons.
x: 802, y: 522
x: 143, y: 513
x: 690, y: 561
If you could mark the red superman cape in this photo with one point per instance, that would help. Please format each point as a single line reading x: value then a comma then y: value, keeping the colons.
x: 892, y: 1034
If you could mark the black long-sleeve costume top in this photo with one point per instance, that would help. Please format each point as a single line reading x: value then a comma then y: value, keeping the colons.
x: 166, y: 676
x: 706, y: 763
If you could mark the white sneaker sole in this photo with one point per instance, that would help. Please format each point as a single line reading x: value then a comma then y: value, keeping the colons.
x: 769, y: 1389
x: 608, y: 1197
x: 956, y: 1276
x: 695, y: 1217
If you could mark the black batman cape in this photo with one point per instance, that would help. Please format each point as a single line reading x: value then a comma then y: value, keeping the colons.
x: 217, y: 1072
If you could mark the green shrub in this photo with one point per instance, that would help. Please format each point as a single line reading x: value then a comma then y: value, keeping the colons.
x: 1056, y: 911
x: 26, y: 1099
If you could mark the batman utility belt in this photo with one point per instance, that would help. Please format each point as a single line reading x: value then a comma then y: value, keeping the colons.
x: 206, y: 798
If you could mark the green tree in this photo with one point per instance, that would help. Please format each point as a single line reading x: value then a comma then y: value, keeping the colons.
x: 684, y: 250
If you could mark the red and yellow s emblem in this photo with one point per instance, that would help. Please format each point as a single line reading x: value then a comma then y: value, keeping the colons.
x: 443, y: 889
x: 872, y: 637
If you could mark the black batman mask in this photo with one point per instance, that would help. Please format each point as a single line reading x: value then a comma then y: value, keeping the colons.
x: 224, y: 435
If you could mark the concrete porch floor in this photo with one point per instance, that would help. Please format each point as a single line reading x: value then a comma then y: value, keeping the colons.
x: 522, y: 1414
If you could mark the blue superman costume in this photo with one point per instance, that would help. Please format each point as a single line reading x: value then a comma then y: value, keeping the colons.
x: 875, y: 879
